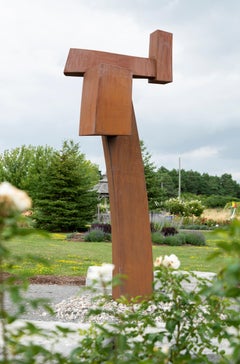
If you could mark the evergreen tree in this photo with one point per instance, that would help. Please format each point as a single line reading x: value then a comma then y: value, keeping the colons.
x: 228, y: 186
x: 166, y: 183
x: 65, y: 200
x: 192, y: 182
x: 153, y: 184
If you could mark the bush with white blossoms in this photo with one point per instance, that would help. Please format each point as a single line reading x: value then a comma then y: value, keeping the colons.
x: 180, y: 207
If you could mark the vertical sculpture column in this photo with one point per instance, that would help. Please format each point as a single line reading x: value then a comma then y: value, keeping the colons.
x: 107, y: 110
x: 131, y: 236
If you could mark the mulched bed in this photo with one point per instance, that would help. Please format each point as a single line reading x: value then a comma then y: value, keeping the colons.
x: 60, y: 280
x: 48, y: 279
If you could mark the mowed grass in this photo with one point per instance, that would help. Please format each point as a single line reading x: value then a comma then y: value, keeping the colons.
x: 38, y: 255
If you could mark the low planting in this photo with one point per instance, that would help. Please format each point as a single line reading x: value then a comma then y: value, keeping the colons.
x: 97, y: 235
x: 197, y: 227
x: 167, y: 235
x: 194, y: 238
x: 106, y: 228
x: 191, y: 238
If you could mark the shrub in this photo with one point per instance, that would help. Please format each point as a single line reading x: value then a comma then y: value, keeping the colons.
x: 97, y: 235
x: 181, y: 237
x: 195, y: 227
x: 172, y: 240
x: 214, y: 201
x: 192, y: 238
x: 175, y: 206
x: 106, y: 228
x: 184, y: 208
x: 157, y: 238
x: 196, y: 238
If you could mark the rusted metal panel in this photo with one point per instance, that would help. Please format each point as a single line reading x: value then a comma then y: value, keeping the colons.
x: 157, y: 68
x: 106, y: 107
x: 80, y: 60
x: 160, y: 50
x: 131, y: 235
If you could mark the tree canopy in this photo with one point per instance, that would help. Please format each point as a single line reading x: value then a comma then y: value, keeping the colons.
x: 162, y: 184
x: 60, y: 183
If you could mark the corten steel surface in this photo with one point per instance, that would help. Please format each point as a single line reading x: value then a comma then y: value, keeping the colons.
x: 131, y: 236
x: 107, y: 110
x: 106, y: 107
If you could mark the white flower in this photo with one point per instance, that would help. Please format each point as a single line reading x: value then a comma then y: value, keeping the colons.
x: 137, y: 339
x: 159, y: 346
x: 158, y: 261
x: 171, y: 261
x: 165, y: 349
x: 13, y: 198
x: 168, y: 261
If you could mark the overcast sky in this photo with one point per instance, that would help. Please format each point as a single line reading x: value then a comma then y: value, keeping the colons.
x: 197, y: 117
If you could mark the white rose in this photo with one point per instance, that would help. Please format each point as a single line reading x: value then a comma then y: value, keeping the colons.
x: 14, y: 198
x: 171, y: 261
x: 158, y: 261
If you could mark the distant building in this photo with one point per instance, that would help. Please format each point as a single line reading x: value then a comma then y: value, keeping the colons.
x: 103, y: 213
x: 102, y: 187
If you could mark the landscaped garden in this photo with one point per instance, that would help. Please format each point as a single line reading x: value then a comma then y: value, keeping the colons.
x: 72, y: 258
x: 64, y: 207
x: 174, y: 325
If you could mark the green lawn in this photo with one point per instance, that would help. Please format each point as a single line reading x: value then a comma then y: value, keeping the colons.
x: 73, y: 258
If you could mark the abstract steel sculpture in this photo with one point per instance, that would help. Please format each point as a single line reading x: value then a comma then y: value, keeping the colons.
x: 107, y: 110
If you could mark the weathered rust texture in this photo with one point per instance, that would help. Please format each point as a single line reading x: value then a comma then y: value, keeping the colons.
x: 160, y: 50
x: 106, y: 107
x: 131, y: 236
x: 157, y: 68
x: 80, y: 60
x: 107, y: 110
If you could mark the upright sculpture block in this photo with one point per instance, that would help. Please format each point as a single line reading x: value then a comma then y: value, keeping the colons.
x: 160, y: 50
x: 106, y: 107
x: 131, y: 236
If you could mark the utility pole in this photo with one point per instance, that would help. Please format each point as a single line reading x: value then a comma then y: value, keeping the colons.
x: 179, y: 178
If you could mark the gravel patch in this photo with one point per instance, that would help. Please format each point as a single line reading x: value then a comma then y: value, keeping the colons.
x: 72, y: 303
x: 76, y: 309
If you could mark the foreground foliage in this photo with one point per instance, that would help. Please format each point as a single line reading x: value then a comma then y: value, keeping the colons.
x: 172, y: 326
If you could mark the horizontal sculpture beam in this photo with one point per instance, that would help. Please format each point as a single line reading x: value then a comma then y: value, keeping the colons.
x: 157, y: 68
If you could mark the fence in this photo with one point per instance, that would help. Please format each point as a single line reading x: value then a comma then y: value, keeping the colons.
x: 154, y: 217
